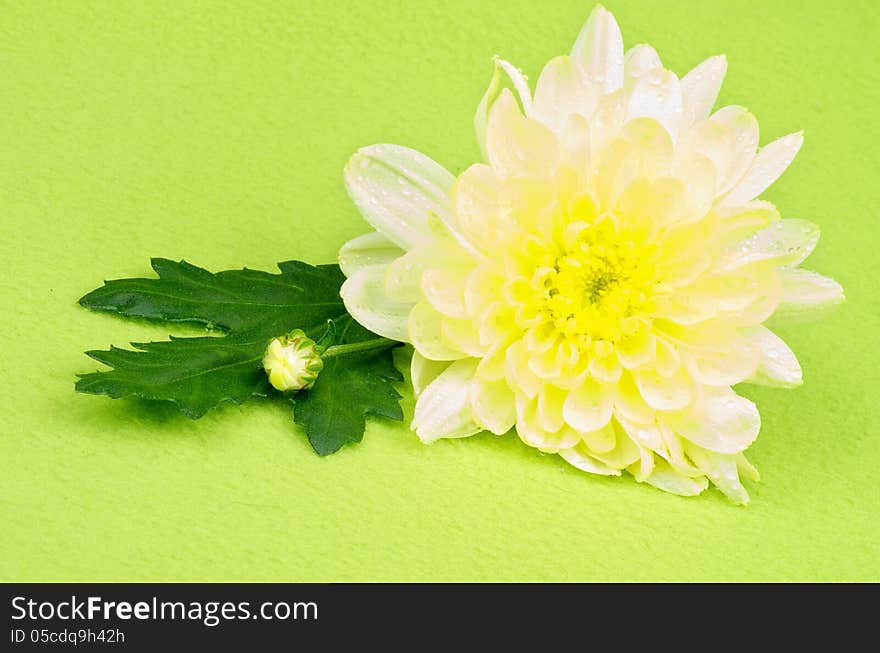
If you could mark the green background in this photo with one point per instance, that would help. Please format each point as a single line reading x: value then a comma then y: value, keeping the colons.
x: 218, y: 132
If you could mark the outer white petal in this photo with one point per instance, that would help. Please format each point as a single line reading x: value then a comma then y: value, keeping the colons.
x: 722, y: 470
x: 722, y: 422
x: 423, y: 371
x: 657, y: 95
x: 767, y: 167
x: 396, y: 189
x: 370, y: 249
x: 477, y: 207
x: 664, y: 392
x: 579, y: 457
x: 425, y: 332
x: 443, y: 409
x: 785, y: 242
x: 700, y: 87
x: 599, y: 50
x: 639, y: 60
x: 481, y: 118
x: 744, y: 127
x: 562, y: 90
x: 518, y: 145
x: 588, y: 407
x: 493, y: 405
x: 668, y: 479
x: 365, y: 298
x: 806, y: 296
x: 778, y: 365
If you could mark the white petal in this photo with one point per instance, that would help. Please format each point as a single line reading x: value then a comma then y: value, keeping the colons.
x: 370, y: 249
x: 443, y: 410
x: 477, y: 207
x: 778, y: 365
x: 785, y: 242
x: 628, y: 401
x: 657, y: 95
x: 664, y: 392
x: 425, y: 332
x: 767, y: 167
x: 625, y: 451
x: 744, y: 127
x: 722, y: 422
x: 518, y: 145
x: 396, y: 189
x: 481, y: 118
x: 562, y: 90
x: 806, y: 296
x: 588, y: 407
x: 700, y: 87
x: 580, y: 458
x: 423, y: 371
x: 403, y: 280
x: 722, y: 470
x: 444, y: 289
x: 550, y: 402
x: 639, y: 60
x: 666, y: 478
x: 735, y: 362
x: 365, y: 298
x: 493, y: 405
x: 599, y: 50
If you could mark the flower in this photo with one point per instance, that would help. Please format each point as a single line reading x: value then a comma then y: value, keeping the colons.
x: 603, y: 279
x: 292, y: 362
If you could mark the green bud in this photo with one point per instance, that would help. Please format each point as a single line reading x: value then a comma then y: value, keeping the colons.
x: 292, y: 362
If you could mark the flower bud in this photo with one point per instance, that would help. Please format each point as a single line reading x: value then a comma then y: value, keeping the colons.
x: 292, y: 362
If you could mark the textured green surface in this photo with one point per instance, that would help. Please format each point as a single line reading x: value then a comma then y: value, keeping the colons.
x: 218, y: 132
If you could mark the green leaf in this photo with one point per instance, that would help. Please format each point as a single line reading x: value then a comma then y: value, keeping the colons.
x: 349, y: 387
x: 194, y: 373
x: 234, y: 300
x: 252, y: 307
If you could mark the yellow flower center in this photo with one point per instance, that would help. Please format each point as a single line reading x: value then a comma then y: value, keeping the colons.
x: 600, y: 284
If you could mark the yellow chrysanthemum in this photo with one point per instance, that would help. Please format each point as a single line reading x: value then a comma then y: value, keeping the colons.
x: 602, y: 281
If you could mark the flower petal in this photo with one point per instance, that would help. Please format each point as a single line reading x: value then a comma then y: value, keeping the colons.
x: 550, y: 402
x: 625, y: 451
x: 562, y: 90
x: 493, y: 405
x: 639, y: 60
x: 588, y: 407
x: 657, y: 95
x: 664, y: 392
x: 785, y: 242
x: 443, y: 409
x: 481, y: 117
x: 365, y: 298
x: 700, y: 87
x: 370, y: 249
x: 517, y: 371
x: 805, y: 296
x: 744, y: 127
x: 423, y: 371
x: 778, y: 365
x: 477, y: 207
x: 599, y: 50
x: 396, y: 188
x: 425, y: 332
x: 579, y: 457
x: 517, y: 145
x: 722, y: 422
x: 721, y: 469
x: 629, y: 403
x: 767, y: 167
x: 668, y: 479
